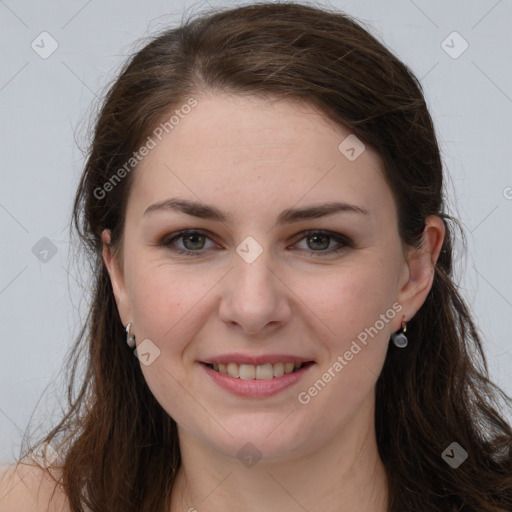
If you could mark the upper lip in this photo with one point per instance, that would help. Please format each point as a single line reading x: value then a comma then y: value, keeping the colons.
x: 255, y: 360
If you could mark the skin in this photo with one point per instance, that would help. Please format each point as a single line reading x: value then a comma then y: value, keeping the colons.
x: 253, y: 158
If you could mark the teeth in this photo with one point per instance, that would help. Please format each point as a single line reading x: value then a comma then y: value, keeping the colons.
x: 259, y: 372
x: 289, y: 367
x: 278, y: 369
x: 247, y: 371
x: 233, y: 370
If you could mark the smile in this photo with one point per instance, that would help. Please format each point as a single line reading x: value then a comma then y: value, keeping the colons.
x: 256, y: 381
x: 260, y: 372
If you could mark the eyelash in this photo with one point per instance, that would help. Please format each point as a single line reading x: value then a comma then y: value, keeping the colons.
x: 341, y: 239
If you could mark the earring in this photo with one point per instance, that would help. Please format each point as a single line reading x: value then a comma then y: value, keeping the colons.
x: 130, y: 338
x: 399, y: 338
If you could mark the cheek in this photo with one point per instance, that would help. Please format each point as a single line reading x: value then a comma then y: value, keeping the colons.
x: 167, y: 309
x: 358, y: 309
x: 171, y: 305
x: 355, y: 299
x: 164, y: 300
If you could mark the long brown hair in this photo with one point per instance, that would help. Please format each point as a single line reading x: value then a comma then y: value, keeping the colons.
x: 120, y: 448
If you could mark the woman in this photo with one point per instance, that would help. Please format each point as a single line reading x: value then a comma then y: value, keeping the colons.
x: 274, y: 323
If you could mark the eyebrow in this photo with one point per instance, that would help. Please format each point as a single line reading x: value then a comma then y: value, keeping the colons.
x: 290, y: 215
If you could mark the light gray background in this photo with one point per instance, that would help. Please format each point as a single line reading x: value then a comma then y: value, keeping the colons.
x: 46, y: 106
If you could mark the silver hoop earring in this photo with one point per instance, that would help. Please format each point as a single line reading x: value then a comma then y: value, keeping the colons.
x: 130, y: 338
x: 399, y: 338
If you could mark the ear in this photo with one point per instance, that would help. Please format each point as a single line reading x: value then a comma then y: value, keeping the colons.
x: 116, y: 278
x: 420, y: 267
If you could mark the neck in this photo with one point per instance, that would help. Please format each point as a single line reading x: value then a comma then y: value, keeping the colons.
x: 344, y: 474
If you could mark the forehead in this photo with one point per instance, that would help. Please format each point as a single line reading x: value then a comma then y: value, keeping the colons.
x: 255, y: 151
x: 263, y: 127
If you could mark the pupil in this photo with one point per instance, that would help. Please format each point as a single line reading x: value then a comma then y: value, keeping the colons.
x: 325, y: 237
x: 192, y: 235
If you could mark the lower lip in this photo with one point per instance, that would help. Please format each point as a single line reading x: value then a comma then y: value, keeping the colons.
x: 256, y: 388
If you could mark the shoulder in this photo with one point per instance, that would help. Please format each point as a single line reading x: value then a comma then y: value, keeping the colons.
x: 28, y: 488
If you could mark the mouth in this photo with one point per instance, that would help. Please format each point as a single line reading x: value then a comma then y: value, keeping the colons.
x: 271, y: 376
x: 265, y: 371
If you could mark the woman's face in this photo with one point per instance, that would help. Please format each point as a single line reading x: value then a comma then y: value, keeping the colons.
x: 255, y: 285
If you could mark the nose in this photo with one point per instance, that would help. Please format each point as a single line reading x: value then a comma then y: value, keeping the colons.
x: 255, y: 299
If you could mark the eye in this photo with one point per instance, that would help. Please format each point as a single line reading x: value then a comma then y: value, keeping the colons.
x: 322, y: 240
x: 194, y: 242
